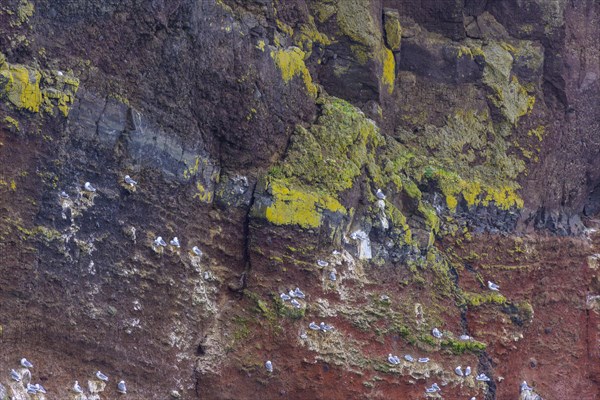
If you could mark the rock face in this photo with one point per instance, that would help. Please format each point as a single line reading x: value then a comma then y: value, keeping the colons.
x: 385, y: 158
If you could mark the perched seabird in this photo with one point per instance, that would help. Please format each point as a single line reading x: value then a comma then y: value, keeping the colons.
x: 31, y: 389
x: 435, y: 386
x: 25, y: 363
x: 159, y: 241
x: 436, y: 333
x: 409, y: 358
x: 40, y: 388
x: 292, y: 293
x: 467, y: 371
x: 88, y: 186
x: 314, y: 326
x: 299, y: 294
x: 174, y: 242
x: 303, y: 335
x: 206, y: 276
x: 77, y: 388
x: 423, y: 360
x: 322, y: 263
x: 394, y: 360
x: 465, y: 337
x: 284, y: 297
x: 493, y: 286
x: 430, y: 390
x: 384, y: 297
x: 335, y: 253
x: 379, y: 194
x: 64, y: 195
x: 101, y: 376
x: 525, y: 386
x: 295, y: 303
x: 324, y: 327
x: 269, y: 366
x: 458, y: 371
x: 15, y: 375
x: 196, y: 250
x: 121, y: 388
x: 482, y: 377
x: 333, y: 276
x: 130, y: 181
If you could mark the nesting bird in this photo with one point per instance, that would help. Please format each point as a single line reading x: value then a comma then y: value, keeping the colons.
x: 333, y: 276
x: 299, y: 294
x: 467, y: 371
x: 324, y: 327
x: 77, y: 388
x: 493, y: 286
x: 101, y: 376
x: 284, y: 297
x: 423, y: 360
x: 25, y: 363
x: 14, y: 375
x: 174, y: 242
x: 465, y: 337
x: 269, y: 366
x: 314, y: 326
x: 40, y: 388
x: 159, y: 241
x: 379, y: 194
x: 483, y: 378
x: 436, y: 333
x: 525, y: 386
x: 409, y: 358
x: 64, y: 195
x: 458, y: 371
x: 434, y: 388
x: 121, y: 388
x: 196, y: 250
x: 322, y: 263
x: 130, y: 181
x: 295, y: 303
x: 31, y: 389
x: 394, y: 360
x: 88, y: 186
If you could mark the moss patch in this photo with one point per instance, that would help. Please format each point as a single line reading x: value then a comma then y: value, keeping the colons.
x: 290, y: 62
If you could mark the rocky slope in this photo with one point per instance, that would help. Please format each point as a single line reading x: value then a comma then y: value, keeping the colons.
x: 386, y: 157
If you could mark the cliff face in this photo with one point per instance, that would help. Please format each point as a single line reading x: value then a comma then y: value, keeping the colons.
x: 387, y: 157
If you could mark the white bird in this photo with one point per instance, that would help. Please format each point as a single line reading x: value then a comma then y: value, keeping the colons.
x: 423, y: 360
x: 525, y: 386
x: 101, y: 376
x: 15, y: 375
x: 121, y: 388
x: 77, y: 388
x: 40, y: 388
x: 295, y: 303
x: 292, y: 293
x: 269, y: 366
x: 324, y: 327
x: 493, y: 286
x: 430, y: 390
x: 31, y: 389
x: 393, y: 359
x: 299, y: 294
x: 384, y: 297
x: 435, y: 386
x: 284, y: 297
x: 130, y: 181
x: 333, y: 276
x: 473, y: 398
x: 314, y: 326
x: 64, y: 195
x: 159, y: 241
x: 483, y: 378
x: 322, y: 263
x: 206, y: 276
x: 174, y: 242
x: 467, y: 371
x: 379, y: 194
x: 88, y: 186
x: 25, y: 363
x: 458, y: 371
x: 303, y: 335
x: 409, y: 358
x: 436, y: 333
x: 197, y: 251
x: 465, y: 337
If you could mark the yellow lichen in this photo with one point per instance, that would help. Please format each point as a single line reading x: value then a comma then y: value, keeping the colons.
x: 290, y: 62
x: 261, y: 45
x: 11, y: 121
x: 389, y: 69
x: 23, y: 87
x: 297, y: 207
x: 204, y: 195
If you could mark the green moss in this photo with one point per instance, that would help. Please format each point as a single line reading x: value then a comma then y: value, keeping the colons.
x: 12, y: 122
x: 478, y: 299
x: 393, y: 30
x: 460, y: 347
